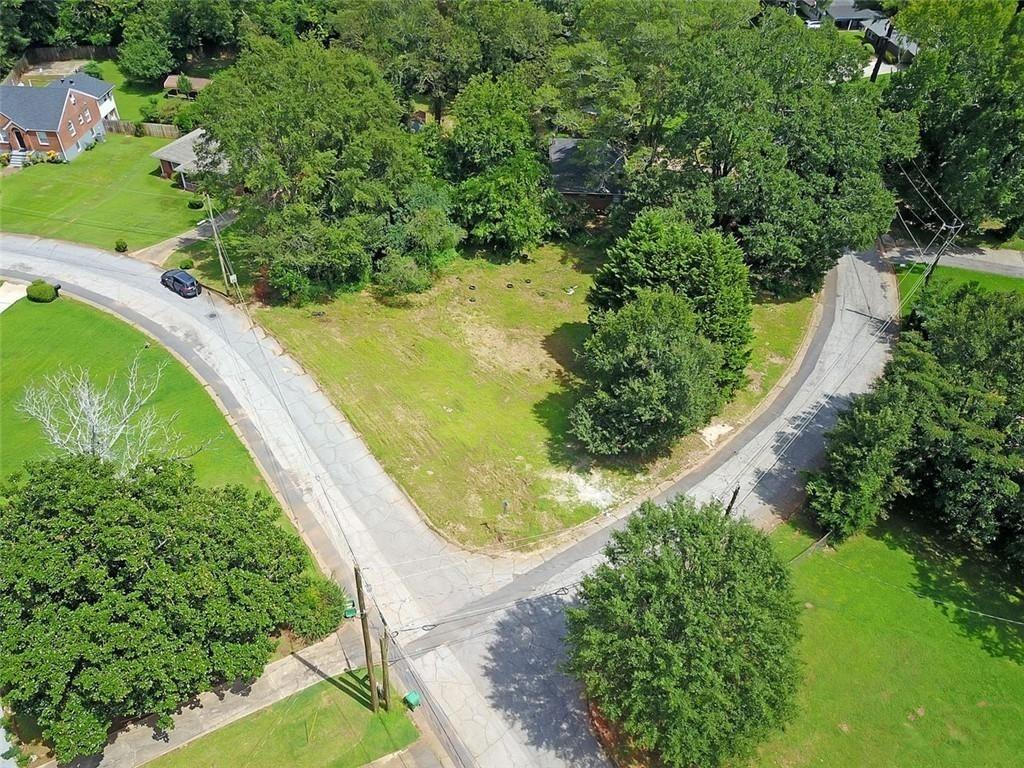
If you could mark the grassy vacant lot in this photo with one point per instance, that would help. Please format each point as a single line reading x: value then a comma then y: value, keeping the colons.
x: 36, y: 339
x: 911, y: 276
x: 326, y: 726
x: 113, y: 191
x: 464, y: 392
x: 894, y: 675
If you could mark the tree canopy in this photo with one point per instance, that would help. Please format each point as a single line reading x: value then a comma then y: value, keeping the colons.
x: 685, y: 636
x: 940, y: 436
x: 648, y: 377
x: 966, y: 89
x: 663, y: 250
x: 123, y: 596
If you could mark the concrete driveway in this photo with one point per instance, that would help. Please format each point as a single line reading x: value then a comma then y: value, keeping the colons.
x: 480, y: 635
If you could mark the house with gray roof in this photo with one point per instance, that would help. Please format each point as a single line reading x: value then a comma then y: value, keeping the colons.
x: 64, y: 117
x: 586, y: 170
x: 901, y: 48
x: 180, y: 159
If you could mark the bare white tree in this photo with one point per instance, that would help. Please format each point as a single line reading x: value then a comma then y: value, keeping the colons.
x: 110, y: 421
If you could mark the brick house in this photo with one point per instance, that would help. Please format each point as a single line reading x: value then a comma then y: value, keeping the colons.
x: 64, y: 117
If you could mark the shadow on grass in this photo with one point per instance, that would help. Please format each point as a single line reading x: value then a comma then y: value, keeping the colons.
x: 964, y: 585
x: 523, y: 665
x: 564, y: 343
x: 585, y: 258
x: 354, y: 684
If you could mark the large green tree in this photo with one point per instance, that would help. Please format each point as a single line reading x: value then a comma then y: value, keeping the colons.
x: 431, y: 48
x: 662, y: 250
x: 147, y: 52
x: 773, y: 123
x: 941, y: 435
x: 123, y: 596
x: 648, y: 377
x: 686, y: 635
x: 966, y: 88
x: 302, y: 123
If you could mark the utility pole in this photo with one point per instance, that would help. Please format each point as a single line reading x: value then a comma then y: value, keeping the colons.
x: 371, y: 675
x: 385, y: 676
x: 732, y: 501
x: 880, y: 47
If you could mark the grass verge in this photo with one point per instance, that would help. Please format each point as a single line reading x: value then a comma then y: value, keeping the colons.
x: 328, y: 725
x: 894, y: 674
x: 113, y: 191
x: 913, y: 274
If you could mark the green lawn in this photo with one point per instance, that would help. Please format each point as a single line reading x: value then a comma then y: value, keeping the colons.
x: 464, y: 393
x: 893, y: 674
x: 36, y: 339
x: 113, y: 191
x: 912, y: 276
x: 326, y: 726
x: 129, y: 96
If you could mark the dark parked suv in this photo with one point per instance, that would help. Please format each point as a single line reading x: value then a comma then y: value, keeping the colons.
x: 182, y: 283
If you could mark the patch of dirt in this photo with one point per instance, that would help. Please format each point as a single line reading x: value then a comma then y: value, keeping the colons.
x: 498, y: 349
x: 583, y: 488
x: 844, y: 727
x: 712, y: 433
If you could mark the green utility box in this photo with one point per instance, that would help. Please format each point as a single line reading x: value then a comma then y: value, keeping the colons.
x: 412, y: 699
x: 350, y: 610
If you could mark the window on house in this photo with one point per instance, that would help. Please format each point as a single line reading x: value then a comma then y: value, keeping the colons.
x: 72, y: 98
x: 3, y: 137
x: 81, y: 119
x: 88, y: 116
x: 42, y: 138
x: 71, y: 128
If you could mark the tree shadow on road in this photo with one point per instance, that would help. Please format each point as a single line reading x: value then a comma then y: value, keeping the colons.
x: 528, y: 687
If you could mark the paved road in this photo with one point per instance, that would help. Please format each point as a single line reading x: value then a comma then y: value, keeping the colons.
x: 479, y: 635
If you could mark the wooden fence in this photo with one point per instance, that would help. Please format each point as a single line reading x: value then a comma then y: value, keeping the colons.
x: 21, y: 66
x: 39, y: 55
x: 127, y: 127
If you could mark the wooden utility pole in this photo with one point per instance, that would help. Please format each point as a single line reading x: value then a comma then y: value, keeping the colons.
x: 732, y: 501
x: 880, y: 48
x: 385, y: 677
x: 371, y: 675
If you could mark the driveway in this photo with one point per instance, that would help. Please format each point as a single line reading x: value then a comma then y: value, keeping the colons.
x: 479, y: 635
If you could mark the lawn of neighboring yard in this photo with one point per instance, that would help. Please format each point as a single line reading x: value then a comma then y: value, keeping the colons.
x: 326, y: 726
x: 464, y: 393
x: 112, y: 191
x: 893, y: 674
x: 37, y: 339
x: 912, y: 275
x: 129, y: 96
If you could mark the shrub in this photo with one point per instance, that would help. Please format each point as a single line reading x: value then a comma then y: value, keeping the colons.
x: 5, y: 159
x: 187, y: 117
x: 121, y: 245
x: 186, y: 264
x: 400, y: 275
x: 319, y: 609
x: 92, y: 69
x: 41, y: 292
x: 139, y: 128
x: 53, y: 157
x: 195, y: 203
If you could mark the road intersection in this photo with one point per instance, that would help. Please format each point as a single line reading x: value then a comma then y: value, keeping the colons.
x: 479, y: 633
